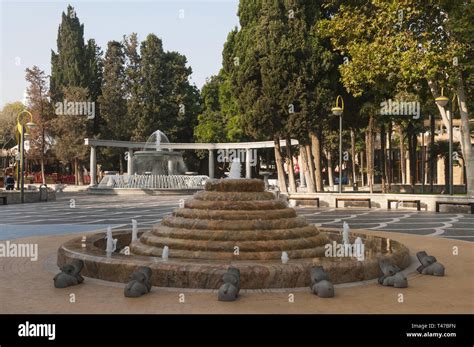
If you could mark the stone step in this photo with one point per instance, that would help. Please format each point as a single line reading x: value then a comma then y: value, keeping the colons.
x: 233, y: 196
x: 234, y: 215
x: 229, y: 246
x: 235, y: 185
x: 240, y: 224
x: 140, y: 248
x: 236, y: 205
x: 234, y: 235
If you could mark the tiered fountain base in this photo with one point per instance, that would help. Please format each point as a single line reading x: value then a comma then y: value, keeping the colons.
x: 233, y: 223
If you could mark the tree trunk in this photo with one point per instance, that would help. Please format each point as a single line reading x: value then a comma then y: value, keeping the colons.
x: 306, y: 169
x: 446, y: 174
x: 412, y: 142
x: 290, y: 166
x: 370, y: 154
x: 43, y: 178
x: 353, y: 156
x: 330, y: 172
x: 81, y: 175
x: 279, y: 166
x: 76, y: 172
x: 432, y: 157
x: 390, y: 157
x: 309, y: 156
x: 403, y: 169
x: 120, y: 164
x: 362, y: 178
x: 463, y: 136
x: 316, y: 150
x: 383, y: 160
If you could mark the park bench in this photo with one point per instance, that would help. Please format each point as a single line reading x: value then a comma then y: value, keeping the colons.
x: 438, y: 203
x: 417, y: 202
x: 354, y: 199
x: 308, y: 198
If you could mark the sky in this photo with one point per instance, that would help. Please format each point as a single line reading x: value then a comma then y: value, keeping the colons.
x: 195, y: 28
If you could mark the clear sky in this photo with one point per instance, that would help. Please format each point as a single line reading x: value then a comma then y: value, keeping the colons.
x: 28, y: 32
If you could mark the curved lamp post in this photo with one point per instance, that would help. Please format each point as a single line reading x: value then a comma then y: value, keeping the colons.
x: 442, y: 101
x: 23, y: 124
x: 337, y: 111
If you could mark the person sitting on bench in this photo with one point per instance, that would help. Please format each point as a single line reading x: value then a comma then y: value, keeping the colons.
x: 10, y: 183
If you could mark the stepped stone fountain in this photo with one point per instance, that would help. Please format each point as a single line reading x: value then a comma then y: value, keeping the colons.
x: 233, y: 223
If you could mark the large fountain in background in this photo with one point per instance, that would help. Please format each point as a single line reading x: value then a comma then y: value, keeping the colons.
x: 156, y: 167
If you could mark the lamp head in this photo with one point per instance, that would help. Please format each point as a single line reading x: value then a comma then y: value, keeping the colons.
x: 337, y: 111
x: 442, y: 101
x: 31, y: 125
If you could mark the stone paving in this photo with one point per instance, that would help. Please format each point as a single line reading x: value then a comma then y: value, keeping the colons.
x: 79, y: 212
x: 27, y: 287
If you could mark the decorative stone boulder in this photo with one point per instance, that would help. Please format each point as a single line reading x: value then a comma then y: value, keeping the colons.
x: 320, y: 284
x: 397, y: 281
x: 231, y: 287
x: 140, y: 283
x: 69, y: 275
x: 429, y: 265
x: 392, y: 277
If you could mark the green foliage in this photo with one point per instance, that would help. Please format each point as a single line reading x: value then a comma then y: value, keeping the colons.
x: 70, y: 131
x: 390, y: 44
x: 68, y: 65
x: 8, y: 123
x: 166, y: 99
x: 113, y: 105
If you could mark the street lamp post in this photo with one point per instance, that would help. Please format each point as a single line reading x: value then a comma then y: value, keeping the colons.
x: 442, y: 101
x: 337, y: 111
x: 21, y: 126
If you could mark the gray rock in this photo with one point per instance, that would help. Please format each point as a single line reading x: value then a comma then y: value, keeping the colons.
x: 429, y: 265
x: 318, y: 274
x: 69, y: 275
x: 228, y: 292
x: 388, y: 269
x: 323, y: 289
x: 397, y: 281
x: 140, y: 283
x: 435, y: 269
x: 231, y: 287
x: 391, y: 275
x: 320, y: 284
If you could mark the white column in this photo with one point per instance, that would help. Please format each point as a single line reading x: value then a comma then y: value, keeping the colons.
x: 130, y: 162
x: 248, y: 168
x: 93, y: 167
x: 211, y: 163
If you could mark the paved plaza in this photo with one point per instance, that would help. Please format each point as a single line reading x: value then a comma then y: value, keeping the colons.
x: 50, y: 224
x: 80, y: 212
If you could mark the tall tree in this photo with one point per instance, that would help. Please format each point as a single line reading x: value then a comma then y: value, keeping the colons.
x: 94, y: 70
x: 69, y: 132
x: 69, y: 64
x: 40, y: 107
x: 113, y: 103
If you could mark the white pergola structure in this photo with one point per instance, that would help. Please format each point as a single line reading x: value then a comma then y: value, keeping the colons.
x: 211, y: 147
